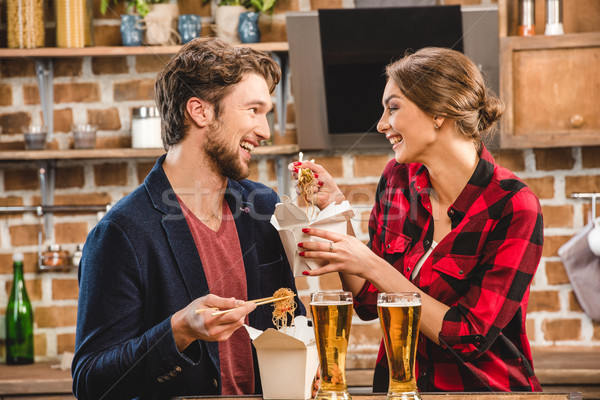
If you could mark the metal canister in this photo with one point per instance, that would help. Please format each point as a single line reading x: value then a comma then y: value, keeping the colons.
x: 526, y: 17
x: 554, y: 18
x: 145, y: 128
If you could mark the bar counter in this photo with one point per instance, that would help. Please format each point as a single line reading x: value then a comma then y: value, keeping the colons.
x: 429, y: 396
x: 563, y: 371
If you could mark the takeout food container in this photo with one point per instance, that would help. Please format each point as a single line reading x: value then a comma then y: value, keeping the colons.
x: 289, y: 219
x: 287, y: 359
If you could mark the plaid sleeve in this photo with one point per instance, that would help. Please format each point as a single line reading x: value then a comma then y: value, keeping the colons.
x: 506, y: 267
x: 365, y: 301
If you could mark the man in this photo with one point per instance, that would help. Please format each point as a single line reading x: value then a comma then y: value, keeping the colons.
x: 195, y: 235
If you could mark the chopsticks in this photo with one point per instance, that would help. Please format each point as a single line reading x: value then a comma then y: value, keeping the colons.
x: 259, y: 302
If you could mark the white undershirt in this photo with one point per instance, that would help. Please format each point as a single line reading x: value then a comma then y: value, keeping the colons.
x: 422, y: 260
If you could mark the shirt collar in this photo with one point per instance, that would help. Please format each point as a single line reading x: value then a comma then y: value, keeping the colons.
x: 477, y: 184
x: 480, y: 179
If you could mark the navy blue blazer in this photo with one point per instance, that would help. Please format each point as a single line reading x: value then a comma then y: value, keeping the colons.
x: 139, y: 266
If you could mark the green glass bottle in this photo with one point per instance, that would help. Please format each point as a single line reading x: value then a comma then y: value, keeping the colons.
x: 19, y: 319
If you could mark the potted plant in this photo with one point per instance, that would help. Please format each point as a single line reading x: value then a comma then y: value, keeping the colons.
x: 145, y: 15
x: 133, y: 6
x: 227, y: 16
x: 248, y: 29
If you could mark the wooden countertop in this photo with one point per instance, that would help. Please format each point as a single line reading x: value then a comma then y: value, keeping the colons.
x: 35, y: 378
x: 553, y: 366
x: 566, y: 367
x: 430, y: 396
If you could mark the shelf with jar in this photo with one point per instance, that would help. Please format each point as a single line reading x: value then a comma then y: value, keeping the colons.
x: 120, y: 153
x: 113, y: 51
x: 548, y: 81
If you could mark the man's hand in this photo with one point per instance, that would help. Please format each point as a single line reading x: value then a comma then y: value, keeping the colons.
x: 188, y: 326
x: 316, y: 383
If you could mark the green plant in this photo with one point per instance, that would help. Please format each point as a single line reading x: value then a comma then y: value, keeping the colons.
x: 263, y: 5
x: 231, y: 3
x: 141, y: 6
x: 257, y: 5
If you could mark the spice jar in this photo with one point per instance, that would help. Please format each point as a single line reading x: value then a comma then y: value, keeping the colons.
x: 56, y: 259
x: 526, y: 17
x: 25, y: 22
x: 145, y: 128
x: 77, y: 255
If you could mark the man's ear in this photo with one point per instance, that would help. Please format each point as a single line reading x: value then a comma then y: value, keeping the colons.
x: 199, y: 111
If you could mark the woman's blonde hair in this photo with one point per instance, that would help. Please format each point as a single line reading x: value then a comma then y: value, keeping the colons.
x: 446, y: 83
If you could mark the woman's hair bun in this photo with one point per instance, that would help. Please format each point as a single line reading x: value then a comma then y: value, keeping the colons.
x: 490, y: 112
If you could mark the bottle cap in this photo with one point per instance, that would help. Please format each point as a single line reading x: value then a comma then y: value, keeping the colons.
x: 18, y: 257
x: 145, y: 112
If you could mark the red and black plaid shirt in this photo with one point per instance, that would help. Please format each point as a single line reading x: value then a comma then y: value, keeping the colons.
x: 481, y: 270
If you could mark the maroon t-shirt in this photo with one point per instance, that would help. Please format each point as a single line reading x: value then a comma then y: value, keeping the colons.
x: 223, y: 266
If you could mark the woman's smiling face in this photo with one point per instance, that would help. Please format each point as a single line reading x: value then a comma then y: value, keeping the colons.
x: 409, y: 129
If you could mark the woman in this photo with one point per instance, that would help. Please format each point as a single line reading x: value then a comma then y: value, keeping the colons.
x: 448, y: 223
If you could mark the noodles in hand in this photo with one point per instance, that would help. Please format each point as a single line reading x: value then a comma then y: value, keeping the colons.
x: 283, y: 308
x: 307, y: 187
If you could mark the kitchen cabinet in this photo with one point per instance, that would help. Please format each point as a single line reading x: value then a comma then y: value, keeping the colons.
x: 550, y: 84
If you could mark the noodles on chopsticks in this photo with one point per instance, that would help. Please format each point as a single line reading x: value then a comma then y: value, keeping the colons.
x: 284, y: 307
x: 307, y: 187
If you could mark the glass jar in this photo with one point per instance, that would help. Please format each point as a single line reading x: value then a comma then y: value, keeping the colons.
x: 77, y: 255
x: 73, y: 19
x: 145, y: 128
x: 25, y: 22
x: 56, y: 259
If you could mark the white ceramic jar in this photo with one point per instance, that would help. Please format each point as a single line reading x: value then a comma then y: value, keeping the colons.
x: 145, y: 128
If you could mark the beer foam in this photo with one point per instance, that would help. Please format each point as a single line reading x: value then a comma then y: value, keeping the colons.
x: 331, y: 303
x: 401, y: 303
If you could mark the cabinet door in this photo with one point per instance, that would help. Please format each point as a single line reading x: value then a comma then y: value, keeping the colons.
x: 551, y: 87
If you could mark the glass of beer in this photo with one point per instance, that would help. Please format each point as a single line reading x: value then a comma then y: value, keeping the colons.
x: 332, y: 316
x: 400, y: 317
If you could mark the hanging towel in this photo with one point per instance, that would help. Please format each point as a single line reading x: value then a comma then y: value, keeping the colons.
x: 583, y: 269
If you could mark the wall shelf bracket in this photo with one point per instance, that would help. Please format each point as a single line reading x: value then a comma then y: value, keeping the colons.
x: 45, y: 72
x: 281, y: 91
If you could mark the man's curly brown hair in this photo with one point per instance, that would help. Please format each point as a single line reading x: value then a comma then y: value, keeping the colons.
x: 206, y: 68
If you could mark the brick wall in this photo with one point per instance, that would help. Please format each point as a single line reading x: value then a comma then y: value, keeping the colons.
x: 103, y: 91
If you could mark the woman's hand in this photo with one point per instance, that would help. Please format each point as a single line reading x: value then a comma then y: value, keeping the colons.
x: 345, y: 254
x: 325, y: 189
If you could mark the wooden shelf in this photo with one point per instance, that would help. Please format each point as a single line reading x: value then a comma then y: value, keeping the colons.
x: 34, y: 155
x: 589, y: 39
x: 112, y: 51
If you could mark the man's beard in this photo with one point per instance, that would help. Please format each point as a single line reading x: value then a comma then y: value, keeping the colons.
x: 224, y: 160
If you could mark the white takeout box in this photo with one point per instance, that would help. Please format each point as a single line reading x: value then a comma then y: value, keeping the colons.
x: 289, y: 219
x: 288, y: 360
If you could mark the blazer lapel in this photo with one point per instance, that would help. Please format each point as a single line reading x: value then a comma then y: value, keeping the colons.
x: 178, y: 233
x: 181, y: 242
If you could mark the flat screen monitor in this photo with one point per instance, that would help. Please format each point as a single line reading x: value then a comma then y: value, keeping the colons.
x: 337, y: 60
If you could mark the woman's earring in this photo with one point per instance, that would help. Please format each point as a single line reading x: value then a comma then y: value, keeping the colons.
x: 436, y: 126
